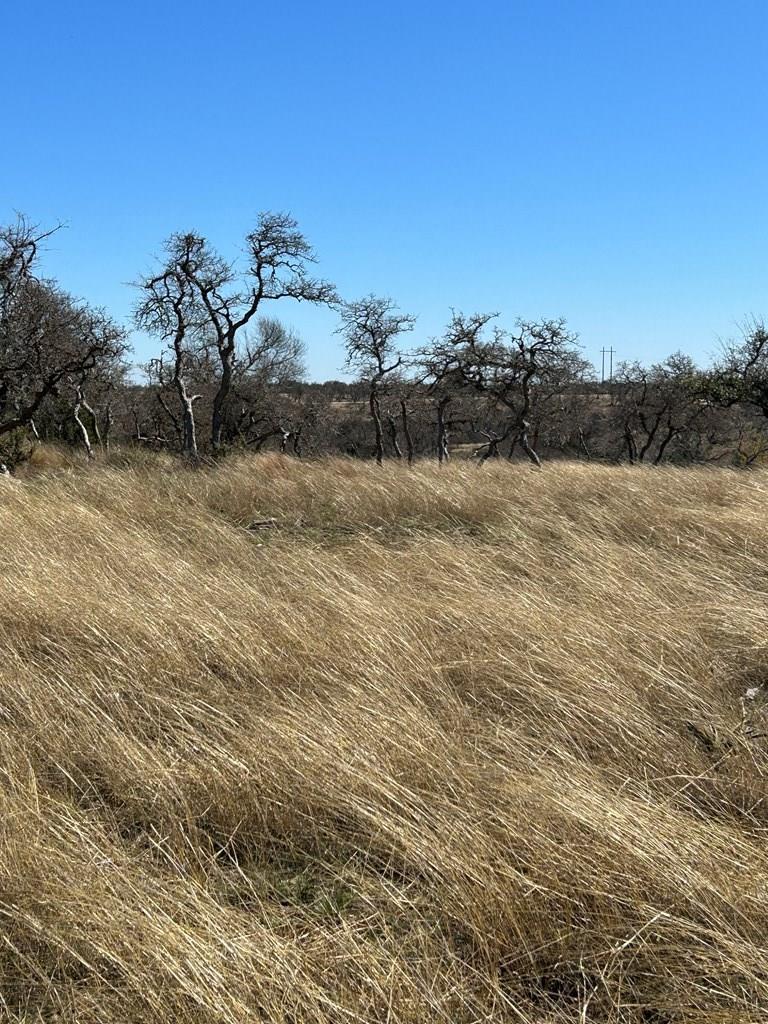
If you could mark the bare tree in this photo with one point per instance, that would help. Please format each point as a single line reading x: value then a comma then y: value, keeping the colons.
x: 657, y: 405
x: 220, y: 299
x: 370, y: 328
x: 512, y: 369
x: 19, y: 251
x: 46, y: 336
x: 269, y: 364
x: 740, y: 375
x: 443, y: 385
x: 168, y: 309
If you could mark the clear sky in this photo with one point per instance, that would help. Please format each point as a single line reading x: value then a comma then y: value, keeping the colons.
x: 603, y: 160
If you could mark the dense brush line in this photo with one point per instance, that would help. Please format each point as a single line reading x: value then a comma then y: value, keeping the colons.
x: 224, y: 375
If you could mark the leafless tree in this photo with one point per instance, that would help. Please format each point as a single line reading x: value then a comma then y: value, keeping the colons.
x: 370, y: 328
x: 168, y: 309
x: 740, y: 375
x: 46, y: 336
x: 657, y: 405
x: 443, y: 386
x: 221, y: 299
x: 512, y: 369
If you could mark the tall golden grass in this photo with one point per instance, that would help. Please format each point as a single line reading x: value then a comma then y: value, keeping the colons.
x: 445, y: 745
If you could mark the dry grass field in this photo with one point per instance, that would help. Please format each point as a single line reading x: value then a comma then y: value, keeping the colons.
x: 457, y: 746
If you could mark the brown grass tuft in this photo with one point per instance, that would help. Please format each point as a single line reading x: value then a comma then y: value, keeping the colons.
x: 444, y: 745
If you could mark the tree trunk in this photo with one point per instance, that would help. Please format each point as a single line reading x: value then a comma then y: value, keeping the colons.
x: 406, y: 430
x: 189, y: 432
x: 81, y: 425
x: 663, y: 446
x: 220, y: 400
x: 173, y: 418
x: 629, y: 441
x: 297, y: 448
x: 491, y: 449
x: 373, y: 403
x: 583, y: 443
x: 526, y: 446
x: 393, y: 436
x: 108, y: 421
x: 443, y: 453
x: 650, y: 435
x: 94, y: 419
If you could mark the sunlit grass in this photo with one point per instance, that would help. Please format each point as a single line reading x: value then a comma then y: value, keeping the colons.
x: 443, y: 745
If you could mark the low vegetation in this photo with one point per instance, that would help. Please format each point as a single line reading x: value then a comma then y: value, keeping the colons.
x: 438, y: 744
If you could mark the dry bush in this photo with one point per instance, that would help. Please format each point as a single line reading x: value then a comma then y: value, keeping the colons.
x: 445, y: 745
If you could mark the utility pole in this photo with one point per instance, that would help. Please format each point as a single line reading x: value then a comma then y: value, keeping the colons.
x: 610, y: 352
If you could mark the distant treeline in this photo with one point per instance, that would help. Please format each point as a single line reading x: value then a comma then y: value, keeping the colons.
x: 228, y: 375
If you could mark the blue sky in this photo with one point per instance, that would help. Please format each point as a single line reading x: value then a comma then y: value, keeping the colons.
x: 604, y: 161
